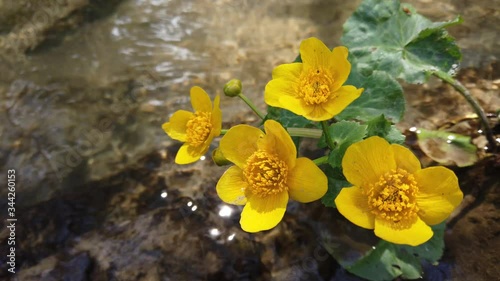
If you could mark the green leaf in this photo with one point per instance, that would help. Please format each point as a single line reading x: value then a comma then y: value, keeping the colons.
x: 382, y: 95
x: 432, y: 250
x: 343, y: 134
x: 388, y: 261
x: 288, y: 118
x: 388, y: 36
x: 336, y: 181
x: 384, y: 263
x: 379, y: 126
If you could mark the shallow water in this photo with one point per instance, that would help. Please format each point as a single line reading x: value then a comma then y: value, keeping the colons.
x: 81, y: 117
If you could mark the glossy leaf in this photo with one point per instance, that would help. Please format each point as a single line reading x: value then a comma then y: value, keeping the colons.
x: 393, y: 37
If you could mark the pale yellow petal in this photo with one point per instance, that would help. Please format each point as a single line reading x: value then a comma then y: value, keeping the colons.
x: 239, y: 143
x: 263, y: 213
x: 231, y: 186
x: 353, y: 205
x: 306, y: 182
x: 438, y: 195
x: 405, y: 159
x: 344, y: 96
x: 289, y: 72
x: 315, y: 53
x: 188, y: 154
x: 417, y: 234
x: 200, y: 100
x: 176, y: 127
x: 341, y: 66
x: 365, y: 161
x: 278, y: 141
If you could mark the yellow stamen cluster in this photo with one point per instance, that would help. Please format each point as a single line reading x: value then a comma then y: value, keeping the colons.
x: 392, y: 198
x: 266, y: 174
x: 198, y: 128
x: 315, y: 86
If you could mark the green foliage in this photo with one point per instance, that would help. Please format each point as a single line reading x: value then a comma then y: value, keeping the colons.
x: 382, y: 95
x: 288, y: 118
x: 343, y: 134
x: 388, y: 261
x: 390, y: 37
x: 336, y: 181
x: 379, y: 126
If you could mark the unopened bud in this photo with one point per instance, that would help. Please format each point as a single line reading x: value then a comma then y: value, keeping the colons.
x: 219, y: 158
x: 233, y: 88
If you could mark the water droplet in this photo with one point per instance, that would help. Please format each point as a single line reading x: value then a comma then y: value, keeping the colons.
x: 164, y: 194
x: 225, y: 211
x: 214, y: 232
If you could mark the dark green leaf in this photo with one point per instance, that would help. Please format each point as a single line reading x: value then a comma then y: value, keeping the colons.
x: 388, y: 261
x: 382, y: 95
x: 387, y: 36
x: 336, y: 182
x: 343, y: 134
x: 379, y: 126
x: 288, y: 118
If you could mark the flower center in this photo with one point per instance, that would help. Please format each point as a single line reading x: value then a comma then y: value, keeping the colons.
x: 315, y: 86
x: 266, y: 174
x: 392, y: 198
x: 198, y: 128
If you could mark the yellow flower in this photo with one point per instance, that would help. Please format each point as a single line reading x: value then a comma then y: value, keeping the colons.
x: 393, y: 194
x: 266, y: 174
x: 196, y: 129
x: 313, y: 88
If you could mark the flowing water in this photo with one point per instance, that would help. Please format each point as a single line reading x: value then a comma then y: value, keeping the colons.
x: 85, y: 87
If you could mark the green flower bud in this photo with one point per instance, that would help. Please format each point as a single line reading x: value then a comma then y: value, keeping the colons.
x: 232, y: 88
x: 219, y: 158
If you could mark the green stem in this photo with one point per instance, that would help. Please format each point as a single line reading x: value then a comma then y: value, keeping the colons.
x: 329, y: 141
x: 251, y: 105
x: 320, y: 161
x: 472, y: 101
x: 223, y: 131
x: 305, y: 132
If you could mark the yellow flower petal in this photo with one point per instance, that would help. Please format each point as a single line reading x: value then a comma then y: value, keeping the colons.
x: 263, y: 213
x: 417, y: 234
x: 239, y: 143
x: 353, y: 204
x: 306, y: 182
x: 315, y: 53
x: 188, y: 154
x: 231, y: 186
x: 316, y: 113
x: 439, y: 194
x: 176, y: 128
x: 289, y: 103
x: 405, y: 159
x: 278, y: 141
x: 216, y: 117
x: 341, y: 66
x: 344, y: 96
x: 365, y: 161
x: 200, y: 100
x: 289, y: 72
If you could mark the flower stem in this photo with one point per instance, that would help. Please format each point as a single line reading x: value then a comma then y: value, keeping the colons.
x: 251, y: 105
x: 472, y: 101
x: 223, y: 131
x: 329, y: 141
x: 304, y: 132
x: 320, y: 161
